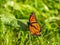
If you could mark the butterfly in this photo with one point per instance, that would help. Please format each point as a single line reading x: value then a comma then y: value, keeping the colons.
x: 33, y: 26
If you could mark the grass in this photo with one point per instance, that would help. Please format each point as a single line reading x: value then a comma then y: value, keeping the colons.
x: 14, y: 15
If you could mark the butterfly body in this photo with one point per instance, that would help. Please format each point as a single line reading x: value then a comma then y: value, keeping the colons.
x: 34, y: 27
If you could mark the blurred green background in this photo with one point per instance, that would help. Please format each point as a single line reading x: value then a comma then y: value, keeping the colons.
x: 14, y: 15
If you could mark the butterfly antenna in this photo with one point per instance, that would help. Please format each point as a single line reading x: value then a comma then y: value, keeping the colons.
x: 32, y: 13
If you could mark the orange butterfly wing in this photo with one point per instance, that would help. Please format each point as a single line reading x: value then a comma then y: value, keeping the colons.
x: 32, y: 18
x: 33, y: 25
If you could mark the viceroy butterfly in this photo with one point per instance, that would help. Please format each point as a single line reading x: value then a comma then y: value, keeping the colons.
x: 33, y: 26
